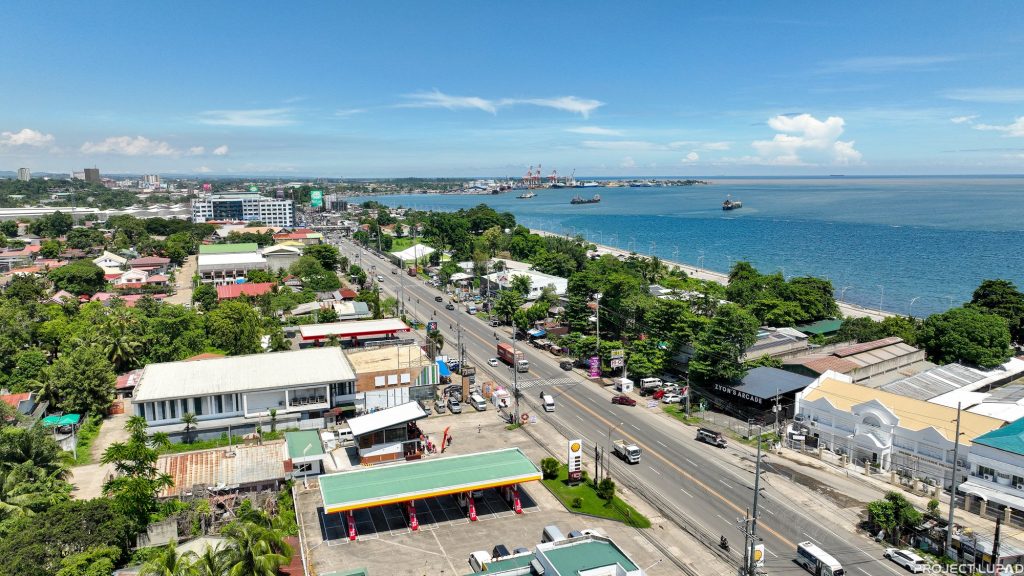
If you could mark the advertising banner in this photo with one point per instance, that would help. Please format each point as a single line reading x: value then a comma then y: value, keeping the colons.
x: 595, y: 367
x: 316, y: 198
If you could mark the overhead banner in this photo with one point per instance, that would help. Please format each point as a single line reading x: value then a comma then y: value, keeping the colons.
x: 575, y: 460
x: 316, y: 198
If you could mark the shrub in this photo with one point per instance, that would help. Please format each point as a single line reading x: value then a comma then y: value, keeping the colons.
x: 606, y: 489
x: 549, y: 467
x: 577, y: 502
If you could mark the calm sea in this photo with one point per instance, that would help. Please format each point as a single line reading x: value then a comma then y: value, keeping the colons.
x: 881, y: 241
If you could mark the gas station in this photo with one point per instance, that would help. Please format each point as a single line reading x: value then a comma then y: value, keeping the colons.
x: 447, y: 488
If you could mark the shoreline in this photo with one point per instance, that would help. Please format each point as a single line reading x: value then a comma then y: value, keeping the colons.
x: 847, y: 309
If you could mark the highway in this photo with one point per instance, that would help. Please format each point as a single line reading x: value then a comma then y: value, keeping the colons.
x: 707, y: 490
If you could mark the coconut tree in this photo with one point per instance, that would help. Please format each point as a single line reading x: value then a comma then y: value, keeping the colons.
x: 255, y: 551
x: 168, y: 563
x: 190, y: 421
x: 212, y: 562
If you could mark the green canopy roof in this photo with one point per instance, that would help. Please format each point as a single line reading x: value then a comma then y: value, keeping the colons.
x: 65, y: 420
x: 821, y: 327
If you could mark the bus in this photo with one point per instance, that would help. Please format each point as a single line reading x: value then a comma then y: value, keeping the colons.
x: 817, y: 561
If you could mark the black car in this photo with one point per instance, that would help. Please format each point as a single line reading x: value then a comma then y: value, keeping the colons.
x: 499, y: 551
x: 438, y: 298
x: 565, y: 364
x: 449, y: 306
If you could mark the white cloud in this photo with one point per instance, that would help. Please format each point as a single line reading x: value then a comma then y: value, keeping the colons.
x: 348, y: 112
x: 128, y: 146
x: 888, y: 63
x: 196, y: 151
x: 716, y: 145
x: 993, y: 95
x: 204, y: 169
x: 691, y: 157
x: 438, y: 99
x: 221, y: 150
x: 963, y: 119
x: 594, y: 131
x: 25, y: 137
x: 804, y: 135
x: 257, y: 118
x: 1016, y: 128
x: 628, y: 162
x: 629, y: 145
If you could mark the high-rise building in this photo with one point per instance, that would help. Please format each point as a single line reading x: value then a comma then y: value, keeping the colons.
x: 24, y: 174
x: 244, y: 206
x: 92, y: 175
x: 151, y: 180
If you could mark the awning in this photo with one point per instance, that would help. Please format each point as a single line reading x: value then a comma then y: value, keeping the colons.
x: 65, y: 420
x: 992, y: 495
x: 443, y: 369
x: 536, y: 332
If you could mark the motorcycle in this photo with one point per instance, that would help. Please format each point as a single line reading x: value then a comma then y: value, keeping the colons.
x: 724, y: 543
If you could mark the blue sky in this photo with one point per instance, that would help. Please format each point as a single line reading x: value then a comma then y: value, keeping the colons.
x: 360, y: 89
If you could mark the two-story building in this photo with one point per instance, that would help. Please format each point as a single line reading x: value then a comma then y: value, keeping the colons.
x: 238, y: 392
x: 996, y: 481
x: 893, y: 433
x: 391, y: 375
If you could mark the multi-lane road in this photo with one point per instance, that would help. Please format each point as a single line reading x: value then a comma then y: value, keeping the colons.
x: 707, y: 490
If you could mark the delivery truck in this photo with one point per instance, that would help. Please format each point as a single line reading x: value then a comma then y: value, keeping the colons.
x: 627, y: 451
x: 513, y: 357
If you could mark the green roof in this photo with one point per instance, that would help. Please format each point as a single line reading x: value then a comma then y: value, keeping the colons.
x: 573, y: 558
x: 65, y: 420
x: 393, y: 483
x: 355, y: 572
x: 1009, y: 438
x: 821, y: 326
x: 228, y: 248
x: 297, y: 442
x: 499, y: 566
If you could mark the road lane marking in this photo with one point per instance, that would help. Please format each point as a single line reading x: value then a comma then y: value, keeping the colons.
x: 692, y: 463
x: 638, y: 428
x: 774, y: 555
x: 683, y: 490
x: 580, y: 417
x: 811, y: 538
x: 767, y: 510
x: 863, y: 570
x: 693, y: 480
x: 655, y: 471
x: 724, y: 520
x: 724, y: 482
x: 662, y: 443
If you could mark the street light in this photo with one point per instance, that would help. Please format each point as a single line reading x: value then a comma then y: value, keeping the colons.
x: 842, y: 293
x: 305, y: 477
x: 911, y: 307
x: 597, y: 298
x: 881, y: 297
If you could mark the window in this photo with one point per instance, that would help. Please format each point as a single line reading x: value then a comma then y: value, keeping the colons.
x: 174, y: 408
x: 986, y: 471
x: 163, y: 410
x: 218, y: 404
x: 378, y: 381
x: 197, y: 406
x: 304, y: 467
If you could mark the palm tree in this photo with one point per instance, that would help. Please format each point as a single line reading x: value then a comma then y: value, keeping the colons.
x: 212, y: 562
x: 26, y: 489
x: 168, y: 563
x: 255, y: 551
x: 190, y: 421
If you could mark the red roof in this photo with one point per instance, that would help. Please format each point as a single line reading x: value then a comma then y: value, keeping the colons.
x: 247, y: 289
x: 14, y: 399
x: 347, y: 294
x: 150, y: 261
x: 127, y: 380
x: 156, y: 278
x: 866, y: 346
x: 204, y: 356
x: 112, y: 276
x: 129, y: 285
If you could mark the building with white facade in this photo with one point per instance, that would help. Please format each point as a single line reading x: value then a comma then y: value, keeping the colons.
x: 996, y: 479
x: 538, y: 281
x: 239, y: 391
x: 24, y: 174
x: 894, y: 433
x: 227, y: 268
x: 244, y: 206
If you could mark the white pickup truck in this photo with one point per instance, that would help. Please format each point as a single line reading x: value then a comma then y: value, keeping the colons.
x: 628, y: 452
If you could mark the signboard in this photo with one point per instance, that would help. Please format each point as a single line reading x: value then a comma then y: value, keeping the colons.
x: 575, y: 460
x: 207, y: 187
x: 253, y: 189
x: 617, y: 363
x: 685, y: 392
x: 432, y: 326
x: 316, y: 198
x: 759, y: 555
x: 595, y: 367
x: 618, y: 354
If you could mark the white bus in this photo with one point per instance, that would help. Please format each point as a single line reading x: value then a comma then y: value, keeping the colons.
x: 817, y: 561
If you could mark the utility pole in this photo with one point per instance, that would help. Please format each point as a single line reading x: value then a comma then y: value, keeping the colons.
x: 995, y: 546
x: 777, y: 410
x: 753, y: 519
x: 952, y: 491
x: 515, y: 376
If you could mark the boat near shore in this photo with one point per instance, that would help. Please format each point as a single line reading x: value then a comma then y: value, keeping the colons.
x: 526, y: 195
x: 731, y: 204
x: 577, y: 199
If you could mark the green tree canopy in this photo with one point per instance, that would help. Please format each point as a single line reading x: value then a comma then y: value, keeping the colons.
x: 1001, y: 297
x: 718, y: 349
x: 326, y: 254
x: 83, y: 381
x: 235, y: 327
x: 966, y: 335
x: 79, y: 277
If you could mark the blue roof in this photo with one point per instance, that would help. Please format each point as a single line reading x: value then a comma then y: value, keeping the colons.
x: 766, y: 382
x: 1009, y: 438
x: 443, y: 369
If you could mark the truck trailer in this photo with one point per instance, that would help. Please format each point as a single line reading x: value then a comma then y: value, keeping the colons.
x: 513, y: 357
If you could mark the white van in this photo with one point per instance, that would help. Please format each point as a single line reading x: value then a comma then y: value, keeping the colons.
x: 478, y: 402
x: 479, y: 560
x: 548, y: 401
x: 552, y: 534
x: 344, y: 436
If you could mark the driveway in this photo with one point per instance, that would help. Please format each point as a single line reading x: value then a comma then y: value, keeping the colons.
x: 88, y: 479
x: 183, y: 282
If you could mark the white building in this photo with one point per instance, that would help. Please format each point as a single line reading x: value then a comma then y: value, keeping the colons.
x: 24, y: 174
x: 538, y: 281
x: 239, y: 391
x: 244, y: 206
x: 895, y: 433
x: 110, y: 262
x: 227, y: 268
x: 997, y: 471
x: 281, y: 256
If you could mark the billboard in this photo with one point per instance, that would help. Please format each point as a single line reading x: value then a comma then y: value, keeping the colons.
x: 575, y: 459
x: 617, y: 362
x: 316, y: 198
x: 595, y: 367
x: 253, y: 189
x: 207, y: 187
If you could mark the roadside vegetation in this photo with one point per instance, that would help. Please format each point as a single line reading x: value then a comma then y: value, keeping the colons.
x: 585, y: 498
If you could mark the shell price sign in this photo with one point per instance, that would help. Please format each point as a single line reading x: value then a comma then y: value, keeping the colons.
x: 575, y: 460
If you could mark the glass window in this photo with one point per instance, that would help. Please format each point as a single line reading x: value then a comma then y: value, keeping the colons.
x: 197, y: 406
x: 218, y: 404
x: 174, y: 408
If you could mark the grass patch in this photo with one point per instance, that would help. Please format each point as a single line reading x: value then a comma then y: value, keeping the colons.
x: 679, y: 413
x: 513, y: 426
x: 86, y: 435
x: 589, y: 503
x: 221, y: 442
x: 399, y: 244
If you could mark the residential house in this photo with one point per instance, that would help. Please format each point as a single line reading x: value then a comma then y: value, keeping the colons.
x: 110, y: 262
x: 22, y: 257
x: 151, y: 264
x: 538, y: 281
x: 995, y: 479
x: 281, y: 256
x: 23, y: 403
x: 230, y: 291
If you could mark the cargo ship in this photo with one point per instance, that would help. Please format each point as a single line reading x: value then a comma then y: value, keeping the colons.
x: 577, y: 199
x: 731, y: 204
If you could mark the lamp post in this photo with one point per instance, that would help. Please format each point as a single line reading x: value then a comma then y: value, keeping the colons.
x: 610, y: 449
x: 881, y: 298
x: 952, y: 488
x: 842, y: 293
x: 911, y: 307
x: 597, y: 323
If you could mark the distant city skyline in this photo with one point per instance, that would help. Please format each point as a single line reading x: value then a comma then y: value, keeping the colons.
x: 465, y: 89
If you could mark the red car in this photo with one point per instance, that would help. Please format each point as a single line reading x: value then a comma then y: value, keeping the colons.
x: 658, y: 394
x: 624, y: 400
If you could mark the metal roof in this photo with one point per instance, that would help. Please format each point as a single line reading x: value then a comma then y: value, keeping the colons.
x: 232, y: 374
x: 377, y: 486
x: 228, y: 248
x: 352, y: 328
x: 766, y: 382
x: 577, y: 556
x: 298, y: 442
x: 1009, y: 438
x: 248, y: 465
x: 386, y: 418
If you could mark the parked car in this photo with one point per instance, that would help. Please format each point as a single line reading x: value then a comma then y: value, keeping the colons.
x: 565, y: 364
x: 438, y: 298
x: 624, y: 400
x: 658, y: 394
x: 906, y: 558
x: 394, y: 270
x: 425, y: 407
x: 380, y: 278
x: 494, y: 323
x: 454, y: 405
x: 492, y: 361
x: 449, y: 306
x: 671, y: 399
x: 439, y: 407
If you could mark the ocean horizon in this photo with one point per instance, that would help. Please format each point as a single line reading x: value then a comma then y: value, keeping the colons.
x: 904, y: 244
